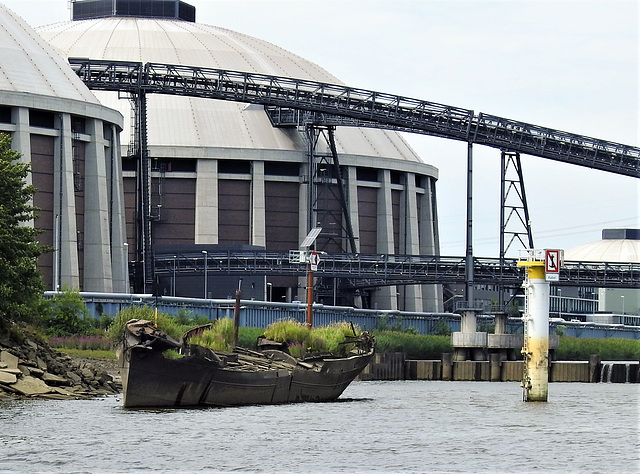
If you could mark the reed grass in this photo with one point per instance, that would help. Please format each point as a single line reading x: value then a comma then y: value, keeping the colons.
x: 577, y: 348
x: 287, y: 330
x: 164, y: 322
x: 81, y: 342
x: 218, y: 338
x: 415, y: 346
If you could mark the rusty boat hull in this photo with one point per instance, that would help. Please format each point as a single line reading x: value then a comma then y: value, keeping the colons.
x: 244, y: 377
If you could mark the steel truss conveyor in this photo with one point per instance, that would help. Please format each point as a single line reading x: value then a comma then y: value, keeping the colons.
x: 372, y: 270
x: 285, y: 97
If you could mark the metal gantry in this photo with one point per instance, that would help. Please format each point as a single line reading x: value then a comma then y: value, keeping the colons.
x: 374, y: 270
x: 296, y: 102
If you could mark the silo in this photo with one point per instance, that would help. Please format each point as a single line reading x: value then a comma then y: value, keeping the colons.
x: 223, y: 174
x: 72, y: 143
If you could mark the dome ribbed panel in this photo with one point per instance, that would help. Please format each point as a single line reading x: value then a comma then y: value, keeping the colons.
x: 183, y: 121
x: 31, y: 65
x: 606, y: 250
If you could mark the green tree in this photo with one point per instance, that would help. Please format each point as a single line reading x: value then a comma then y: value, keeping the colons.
x: 21, y: 284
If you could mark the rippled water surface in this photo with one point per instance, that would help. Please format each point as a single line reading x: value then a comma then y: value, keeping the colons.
x: 415, y: 426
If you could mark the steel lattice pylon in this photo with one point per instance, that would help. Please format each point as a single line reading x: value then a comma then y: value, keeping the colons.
x: 515, y: 225
x: 328, y: 206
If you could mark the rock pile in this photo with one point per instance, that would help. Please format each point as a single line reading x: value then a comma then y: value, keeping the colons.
x: 32, y: 369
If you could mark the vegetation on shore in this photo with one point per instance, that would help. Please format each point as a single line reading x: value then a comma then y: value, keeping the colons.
x: 575, y: 348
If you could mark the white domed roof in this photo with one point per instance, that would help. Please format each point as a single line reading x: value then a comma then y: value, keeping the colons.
x: 30, y: 65
x: 607, y: 250
x: 183, y: 122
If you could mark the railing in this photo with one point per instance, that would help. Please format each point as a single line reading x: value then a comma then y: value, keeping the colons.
x: 358, y: 107
x: 372, y: 270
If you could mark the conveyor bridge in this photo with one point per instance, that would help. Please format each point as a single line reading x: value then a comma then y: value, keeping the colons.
x: 289, y: 101
x: 293, y: 102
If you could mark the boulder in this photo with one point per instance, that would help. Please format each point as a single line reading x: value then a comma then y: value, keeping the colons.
x: 29, y: 386
x: 51, y: 379
x: 9, y: 359
x: 73, y: 377
x: 7, y: 378
x: 35, y: 372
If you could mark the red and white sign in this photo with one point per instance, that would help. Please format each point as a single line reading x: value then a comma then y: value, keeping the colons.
x: 552, y: 265
x: 314, y: 260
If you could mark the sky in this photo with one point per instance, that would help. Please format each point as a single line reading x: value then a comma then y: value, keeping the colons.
x: 570, y: 65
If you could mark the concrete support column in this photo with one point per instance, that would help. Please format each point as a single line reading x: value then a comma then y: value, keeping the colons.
x: 119, y: 251
x: 447, y: 366
x: 595, y: 367
x: 258, y: 217
x: 65, y: 207
x: 432, y: 299
x: 97, y: 245
x: 385, y: 297
x: 352, y: 197
x: 495, y: 363
x: 206, y: 225
x: 501, y: 323
x: 411, y: 235
x: 468, y: 321
x: 21, y: 141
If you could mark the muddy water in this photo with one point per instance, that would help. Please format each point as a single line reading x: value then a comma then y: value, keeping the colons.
x: 376, y: 427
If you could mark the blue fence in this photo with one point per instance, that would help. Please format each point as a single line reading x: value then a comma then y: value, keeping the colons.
x: 263, y: 313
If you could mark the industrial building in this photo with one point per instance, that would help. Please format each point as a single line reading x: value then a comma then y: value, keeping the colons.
x: 72, y: 142
x: 222, y: 174
x: 602, y: 305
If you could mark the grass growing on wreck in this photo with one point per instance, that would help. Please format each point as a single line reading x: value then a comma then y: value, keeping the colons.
x: 300, y: 338
x: 164, y: 322
x: 218, y: 338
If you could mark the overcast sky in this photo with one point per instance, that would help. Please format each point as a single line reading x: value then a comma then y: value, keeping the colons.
x: 569, y: 65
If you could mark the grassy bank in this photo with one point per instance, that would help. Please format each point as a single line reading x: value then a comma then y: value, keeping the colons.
x: 96, y: 354
x: 574, y: 348
x: 413, y: 345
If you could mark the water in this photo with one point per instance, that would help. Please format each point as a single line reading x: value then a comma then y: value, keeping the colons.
x: 413, y: 426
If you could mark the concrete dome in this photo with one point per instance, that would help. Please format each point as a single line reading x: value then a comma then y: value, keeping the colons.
x: 71, y: 142
x: 617, y: 245
x: 30, y: 65
x: 182, y: 122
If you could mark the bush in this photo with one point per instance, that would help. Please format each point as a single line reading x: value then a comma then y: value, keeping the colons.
x: 441, y: 328
x: 66, y: 314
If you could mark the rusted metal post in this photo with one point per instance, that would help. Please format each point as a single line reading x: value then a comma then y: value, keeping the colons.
x: 309, y: 297
x: 236, y: 314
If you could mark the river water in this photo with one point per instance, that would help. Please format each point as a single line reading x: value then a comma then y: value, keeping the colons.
x: 412, y: 426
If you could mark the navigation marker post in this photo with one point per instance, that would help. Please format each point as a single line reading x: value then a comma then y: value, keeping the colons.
x: 304, y: 255
x: 542, y: 266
